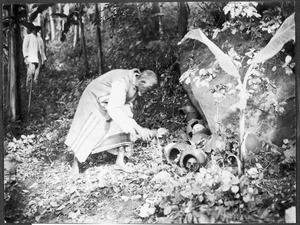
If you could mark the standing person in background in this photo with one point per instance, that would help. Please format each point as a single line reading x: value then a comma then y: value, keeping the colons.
x: 33, y: 54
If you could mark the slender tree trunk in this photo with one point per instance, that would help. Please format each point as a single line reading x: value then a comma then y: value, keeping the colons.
x: 99, y: 42
x: 183, y: 17
x: 2, y: 91
x: 59, y: 21
x: 297, y: 92
x: 4, y: 75
x: 12, y: 68
x: 19, y: 64
x: 2, y: 132
x: 160, y: 23
x: 155, y: 14
x: 76, y: 35
x: 45, y: 29
x: 62, y: 19
x: 83, y: 47
x: 52, y: 27
x: 7, y: 87
x: 102, y: 5
x: 155, y: 11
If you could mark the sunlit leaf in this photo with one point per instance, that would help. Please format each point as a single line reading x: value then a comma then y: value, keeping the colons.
x: 246, y: 198
x: 265, y: 214
x: 125, y: 198
x: 61, y: 207
x: 235, y: 180
x: 74, y: 215
x: 235, y: 189
x: 285, y: 33
x: 288, y: 59
x: 200, y: 217
x: 225, y: 187
x: 167, y: 210
x: 162, y: 131
x: 189, y: 218
x: 224, y: 60
x: 252, y: 171
x: 290, y: 154
x: 54, y: 204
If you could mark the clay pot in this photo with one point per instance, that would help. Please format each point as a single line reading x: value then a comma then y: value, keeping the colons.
x: 192, y: 159
x: 189, y: 112
x: 198, y: 137
x: 252, y: 143
x: 190, y: 125
x: 174, y: 150
x: 196, y: 126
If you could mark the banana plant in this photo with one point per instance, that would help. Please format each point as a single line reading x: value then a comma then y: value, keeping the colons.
x: 285, y: 33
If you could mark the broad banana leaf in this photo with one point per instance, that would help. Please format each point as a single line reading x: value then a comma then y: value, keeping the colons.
x: 224, y: 60
x: 285, y: 33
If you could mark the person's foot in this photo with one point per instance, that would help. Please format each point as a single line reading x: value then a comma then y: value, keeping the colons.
x: 124, y: 167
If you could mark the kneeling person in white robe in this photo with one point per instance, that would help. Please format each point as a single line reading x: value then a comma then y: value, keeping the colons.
x: 103, y: 119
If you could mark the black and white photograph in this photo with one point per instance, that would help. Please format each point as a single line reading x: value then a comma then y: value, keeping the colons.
x: 149, y: 112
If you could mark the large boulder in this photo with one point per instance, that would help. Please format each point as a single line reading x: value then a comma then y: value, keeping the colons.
x: 270, y: 112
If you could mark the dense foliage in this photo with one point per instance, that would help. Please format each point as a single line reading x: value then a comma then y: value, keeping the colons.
x: 38, y: 185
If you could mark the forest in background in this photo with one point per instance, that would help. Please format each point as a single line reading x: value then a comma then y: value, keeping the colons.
x: 83, y: 41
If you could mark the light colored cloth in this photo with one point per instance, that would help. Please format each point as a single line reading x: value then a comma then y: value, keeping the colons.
x: 31, y: 48
x: 103, y: 100
x: 112, y: 140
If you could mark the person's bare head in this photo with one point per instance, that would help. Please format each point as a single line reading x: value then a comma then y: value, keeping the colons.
x: 146, y: 81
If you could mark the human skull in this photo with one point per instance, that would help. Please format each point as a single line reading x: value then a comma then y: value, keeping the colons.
x: 191, y: 164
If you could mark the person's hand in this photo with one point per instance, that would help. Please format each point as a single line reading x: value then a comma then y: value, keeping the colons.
x: 144, y: 133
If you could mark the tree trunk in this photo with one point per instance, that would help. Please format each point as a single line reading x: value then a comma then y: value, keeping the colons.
x: 59, y: 21
x: 43, y: 31
x: 83, y: 47
x: 2, y: 83
x: 99, y: 43
x: 52, y: 27
x: 160, y: 23
x: 4, y: 76
x: 14, y: 69
x: 19, y: 65
x: 156, y: 20
x: 183, y: 17
x: 76, y: 35
x: 102, y: 5
x: 297, y: 97
x: 62, y: 19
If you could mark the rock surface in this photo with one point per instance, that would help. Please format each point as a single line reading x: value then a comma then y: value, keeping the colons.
x: 270, y: 113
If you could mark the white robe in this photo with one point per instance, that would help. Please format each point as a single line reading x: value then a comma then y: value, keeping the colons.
x: 31, y: 48
x: 105, y: 98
